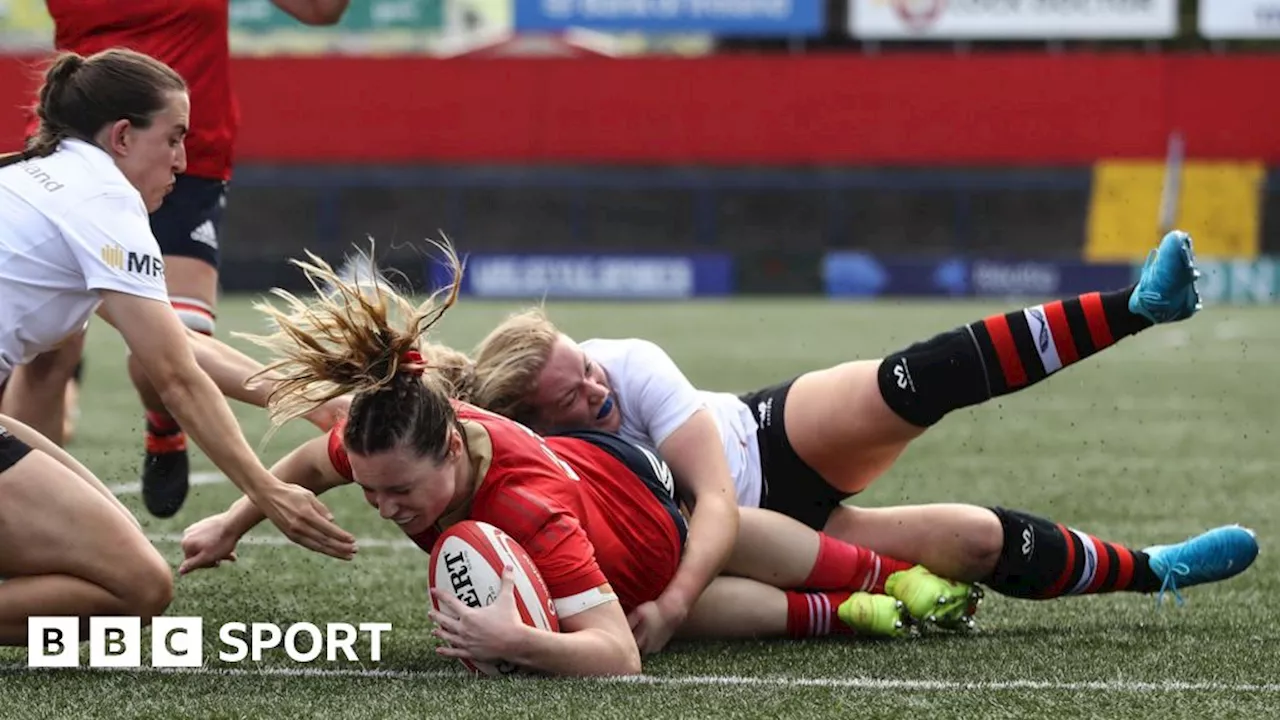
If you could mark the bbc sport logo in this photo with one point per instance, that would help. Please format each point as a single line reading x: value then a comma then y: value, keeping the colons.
x: 178, y: 642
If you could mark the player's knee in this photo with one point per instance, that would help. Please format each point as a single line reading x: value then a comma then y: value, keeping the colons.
x: 924, y: 382
x: 60, y: 362
x: 844, y: 521
x: 147, y: 588
x: 195, y: 314
x: 981, y: 546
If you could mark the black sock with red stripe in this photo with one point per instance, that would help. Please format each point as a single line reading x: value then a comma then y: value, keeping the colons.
x: 1042, y: 560
x: 1002, y: 354
x: 163, y: 434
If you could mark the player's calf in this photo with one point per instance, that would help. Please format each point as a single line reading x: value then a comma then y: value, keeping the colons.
x: 1043, y: 560
x: 1005, y: 353
x: 166, y: 468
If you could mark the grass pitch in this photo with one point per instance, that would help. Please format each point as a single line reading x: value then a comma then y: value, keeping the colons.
x: 1165, y: 435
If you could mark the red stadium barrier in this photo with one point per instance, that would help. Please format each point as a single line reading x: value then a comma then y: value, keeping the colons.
x: 996, y: 109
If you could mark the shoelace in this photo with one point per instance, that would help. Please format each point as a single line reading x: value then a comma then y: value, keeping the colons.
x: 1170, y: 583
x: 1165, y: 309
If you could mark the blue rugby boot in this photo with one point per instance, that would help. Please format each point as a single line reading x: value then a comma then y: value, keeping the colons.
x: 1166, y: 291
x: 1211, y: 556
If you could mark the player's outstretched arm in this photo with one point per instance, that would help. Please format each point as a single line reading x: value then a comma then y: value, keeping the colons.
x: 212, y: 540
x: 154, y: 335
x: 593, y: 642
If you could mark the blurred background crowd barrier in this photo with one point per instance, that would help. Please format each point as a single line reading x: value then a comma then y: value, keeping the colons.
x: 681, y: 148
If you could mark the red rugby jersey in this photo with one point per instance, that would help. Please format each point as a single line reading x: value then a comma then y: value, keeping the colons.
x: 188, y: 35
x: 583, y: 516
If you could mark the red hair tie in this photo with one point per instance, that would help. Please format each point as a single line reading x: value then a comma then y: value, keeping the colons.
x: 412, y: 363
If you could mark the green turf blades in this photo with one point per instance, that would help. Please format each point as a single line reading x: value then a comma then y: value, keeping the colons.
x: 1165, y: 435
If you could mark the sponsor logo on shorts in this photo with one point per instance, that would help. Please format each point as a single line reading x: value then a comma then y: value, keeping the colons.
x: 205, y: 233
x: 764, y: 411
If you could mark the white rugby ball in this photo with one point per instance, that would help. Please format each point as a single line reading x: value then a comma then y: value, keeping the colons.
x: 467, y: 562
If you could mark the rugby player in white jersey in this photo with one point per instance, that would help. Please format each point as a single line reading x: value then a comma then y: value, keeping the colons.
x: 805, y: 445
x: 75, y: 241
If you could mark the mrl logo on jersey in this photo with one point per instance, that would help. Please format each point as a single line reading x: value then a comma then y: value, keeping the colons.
x: 132, y: 262
x: 54, y: 642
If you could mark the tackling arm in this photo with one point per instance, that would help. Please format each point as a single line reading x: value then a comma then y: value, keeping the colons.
x: 307, y: 466
x: 697, y: 462
x: 209, y: 542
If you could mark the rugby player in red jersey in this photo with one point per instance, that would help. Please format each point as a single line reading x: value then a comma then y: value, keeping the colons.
x: 596, y: 513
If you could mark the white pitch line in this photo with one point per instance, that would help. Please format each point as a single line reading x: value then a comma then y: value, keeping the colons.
x: 956, y: 686
x: 1118, y: 686
x: 278, y: 541
x: 135, y: 487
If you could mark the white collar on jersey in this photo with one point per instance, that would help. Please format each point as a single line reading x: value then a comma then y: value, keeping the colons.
x: 100, y: 158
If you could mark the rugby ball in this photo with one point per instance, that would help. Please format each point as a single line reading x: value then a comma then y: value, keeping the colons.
x: 467, y: 562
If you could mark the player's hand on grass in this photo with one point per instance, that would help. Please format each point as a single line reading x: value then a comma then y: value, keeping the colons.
x: 653, y: 623
x: 328, y: 414
x: 206, y: 544
x: 305, y: 520
x: 480, y: 633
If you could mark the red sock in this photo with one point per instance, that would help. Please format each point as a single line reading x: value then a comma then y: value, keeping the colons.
x: 842, y: 566
x: 163, y: 435
x: 161, y: 423
x: 814, y: 614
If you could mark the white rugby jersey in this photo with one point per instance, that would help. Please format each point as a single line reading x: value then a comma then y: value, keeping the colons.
x: 655, y: 399
x: 70, y: 226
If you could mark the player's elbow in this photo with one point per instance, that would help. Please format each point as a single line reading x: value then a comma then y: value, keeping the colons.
x: 621, y: 659
x: 627, y: 653
x: 628, y: 661
x: 723, y: 506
